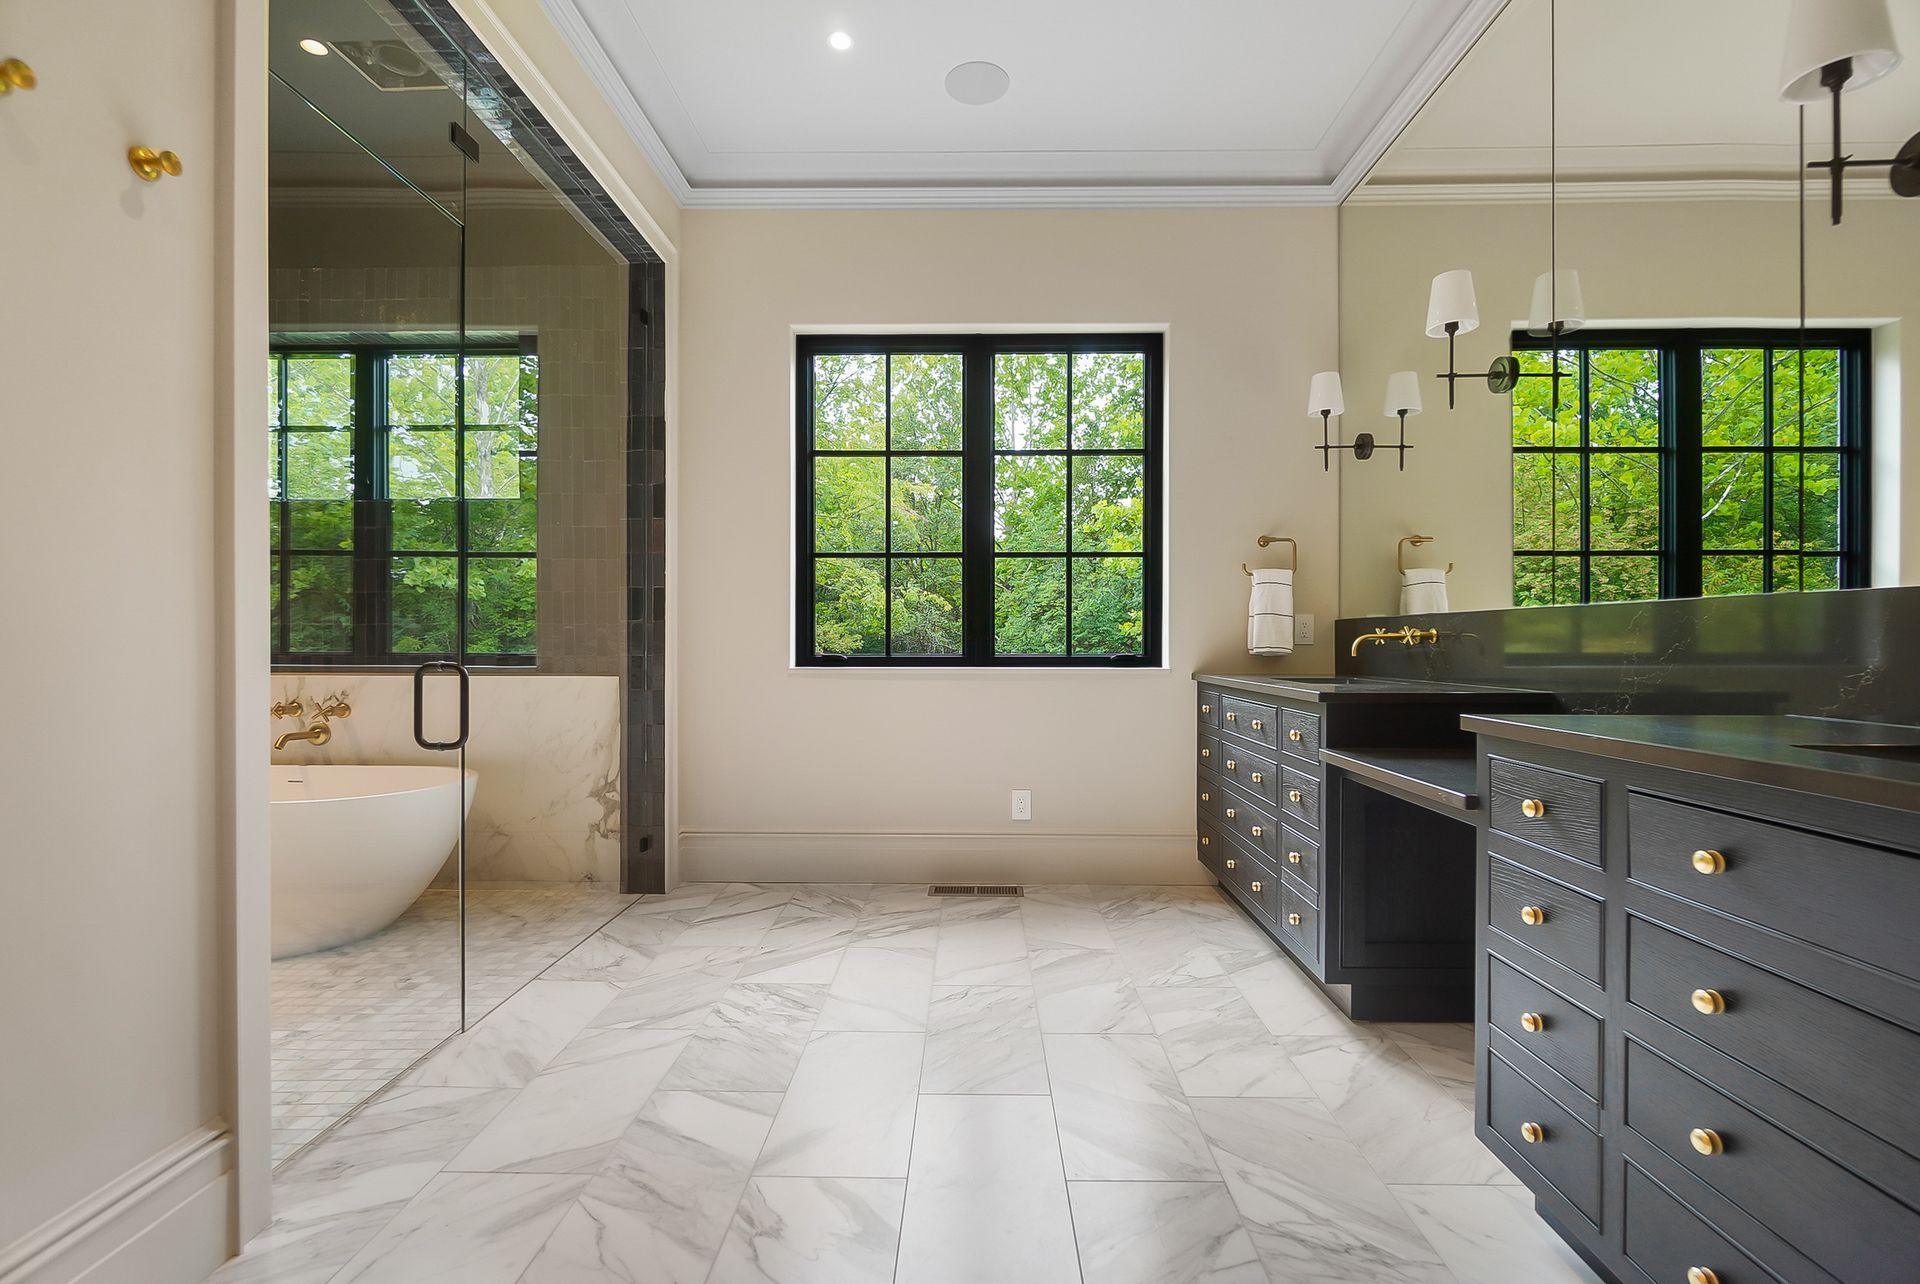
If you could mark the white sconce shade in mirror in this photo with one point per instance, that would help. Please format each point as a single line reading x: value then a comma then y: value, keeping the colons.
x: 1325, y: 397
x: 1451, y: 307
x: 1823, y: 32
x: 1403, y: 393
x: 1557, y: 305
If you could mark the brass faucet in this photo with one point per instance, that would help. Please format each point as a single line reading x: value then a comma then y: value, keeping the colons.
x: 1408, y: 634
x: 287, y: 708
x: 317, y: 732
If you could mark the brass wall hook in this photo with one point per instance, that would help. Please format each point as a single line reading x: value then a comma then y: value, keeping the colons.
x: 15, y: 74
x: 1400, y: 554
x: 1265, y: 540
x: 150, y: 165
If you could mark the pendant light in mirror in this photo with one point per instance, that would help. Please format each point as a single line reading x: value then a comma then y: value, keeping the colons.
x: 1326, y: 399
x: 1557, y: 306
x: 1834, y: 46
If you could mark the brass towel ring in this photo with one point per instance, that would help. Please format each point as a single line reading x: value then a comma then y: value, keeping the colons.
x: 1400, y: 556
x: 1277, y: 539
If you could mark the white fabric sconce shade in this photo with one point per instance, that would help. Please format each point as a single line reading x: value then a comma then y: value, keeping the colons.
x: 1403, y: 393
x: 1325, y: 397
x: 1820, y: 32
x: 1451, y: 301
x: 1557, y: 305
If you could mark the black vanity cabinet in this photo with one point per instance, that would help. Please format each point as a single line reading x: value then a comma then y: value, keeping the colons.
x: 1369, y: 890
x: 1698, y: 994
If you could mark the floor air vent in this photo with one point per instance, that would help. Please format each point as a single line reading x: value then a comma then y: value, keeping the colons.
x: 970, y: 889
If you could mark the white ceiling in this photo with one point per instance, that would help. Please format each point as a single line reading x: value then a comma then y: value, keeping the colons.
x: 742, y: 102
x: 1648, y: 90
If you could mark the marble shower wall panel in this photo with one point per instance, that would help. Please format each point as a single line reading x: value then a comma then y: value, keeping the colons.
x: 547, y: 747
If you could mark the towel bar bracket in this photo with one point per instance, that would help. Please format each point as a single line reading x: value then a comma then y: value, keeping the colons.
x: 1288, y: 540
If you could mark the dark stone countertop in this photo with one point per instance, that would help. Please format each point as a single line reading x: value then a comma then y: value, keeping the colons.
x: 1785, y: 751
x: 1434, y: 778
x: 1341, y: 690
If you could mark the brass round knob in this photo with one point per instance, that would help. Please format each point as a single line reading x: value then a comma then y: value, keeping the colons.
x: 150, y: 165
x: 1708, y: 861
x: 1255, y: 886
x: 1295, y: 736
x: 1705, y: 1140
x: 1532, y: 915
x: 1256, y: 831
x: 1293, y: 795
x: 1293, y: 919
x: 1206, y: 753
x: 15, y: 74
x: 1293, y: 858
x: 1232, y: 863
x: 1232, y: 716
x: 1709, y: 1002
x: 1231, y: 813
x: 1205, y: 841
x: 1257, y: 777
x: 1533, y: 808
x: 1258, y: 725
x: 1205, y: 796
x: 1206, y: 708
x: 1701, y: 1275
x: 1532, y: 1022
x: 1532, y: 1133
x: 1230, y: 764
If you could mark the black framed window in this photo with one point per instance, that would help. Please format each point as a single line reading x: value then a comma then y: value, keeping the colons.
x: 1682, y: 463
x: 979, y: 499
x: 402, y: 495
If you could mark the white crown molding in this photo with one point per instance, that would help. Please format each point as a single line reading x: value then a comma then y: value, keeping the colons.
x: 1460, y: 37
x: 1635, y: 192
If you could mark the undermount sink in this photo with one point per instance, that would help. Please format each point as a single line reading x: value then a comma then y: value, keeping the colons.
x: 1902, y: 752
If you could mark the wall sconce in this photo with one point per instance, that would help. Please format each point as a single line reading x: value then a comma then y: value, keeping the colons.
x: 1452, y: 310
x: 1834, y: 46
x: 1403, y: 399
x: 1326, y: 399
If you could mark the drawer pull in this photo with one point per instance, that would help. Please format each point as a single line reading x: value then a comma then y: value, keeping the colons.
x: 1205, y: 841
x: 1708, y: 861
x: 1293, y: 858
x: 1532, y: 915
x: 1230, y: 764
x: 1255, y: 831
x: 1254, y: 886
x: 1709, y: 1002
x: 1532, y: 1022
x: 1232, y: 812
x: 1705, y: 1140
x: 1532, y: 1133
x: 1232, y: 863
x: 1295, y: 735
x: 1533, y: 808
x: 1206, y: 753
x: 1231, y: 716
x: 1294, y: 795
x: 1702, y: 1275
x: 1205, y: 796
x: 1257, y: 777
x: 1206, y: 708
x: 1258, y: 725
x: 1293, y: 920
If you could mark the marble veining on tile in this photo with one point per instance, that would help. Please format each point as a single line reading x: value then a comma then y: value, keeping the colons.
x: 813, y: 1230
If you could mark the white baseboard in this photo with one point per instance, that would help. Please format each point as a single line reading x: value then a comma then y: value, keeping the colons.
x: 713, y: 856
x: 164, y: 1221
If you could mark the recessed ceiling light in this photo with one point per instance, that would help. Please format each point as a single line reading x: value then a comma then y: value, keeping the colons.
x: 318, y: 48
x: 840, y: 40
x: 977, y: 83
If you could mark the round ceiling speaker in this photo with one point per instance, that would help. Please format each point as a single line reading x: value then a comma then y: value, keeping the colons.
x: 977, y: 83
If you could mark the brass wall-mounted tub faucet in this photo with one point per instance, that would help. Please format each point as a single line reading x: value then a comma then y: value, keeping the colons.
x: 1409, y: 635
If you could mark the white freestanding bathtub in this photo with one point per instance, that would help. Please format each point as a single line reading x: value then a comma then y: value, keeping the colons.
x: 354, y: 846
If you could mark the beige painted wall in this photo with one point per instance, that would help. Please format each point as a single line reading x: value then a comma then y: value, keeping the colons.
x: 132, y: 827
x: 816, y: 773
x: 1662, y: 262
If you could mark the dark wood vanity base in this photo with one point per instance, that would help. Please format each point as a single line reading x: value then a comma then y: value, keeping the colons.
x: 1339, y: 816
x: 1698, y: 994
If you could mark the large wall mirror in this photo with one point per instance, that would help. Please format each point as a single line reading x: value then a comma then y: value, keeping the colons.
x: 1627, y: 188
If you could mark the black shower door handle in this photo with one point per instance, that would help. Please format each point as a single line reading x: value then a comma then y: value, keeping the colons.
x: 420, y: 703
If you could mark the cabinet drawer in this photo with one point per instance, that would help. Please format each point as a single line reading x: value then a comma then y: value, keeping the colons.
x: 1551, y: 809
x: 1551, y: 1026
x: 1299, y: 920
x: 1849, y: 1061
x: 1207, y: 796
x: 1210, y: 755
x: 1251, y: 721
x: 1209, y: 712
x: 1213, y: 848
x: 1256, y: 882
x: 1251, y: 824
x: 1858, y: 901
x: 1847, y: 1225
x: 1557, y: 1146
x: 1300, y: 733
x: 1558, y: 921
x: 1300, y: 795
x: 1666, y: 1239
x: 1300, y: 857
x: 1258, y: 775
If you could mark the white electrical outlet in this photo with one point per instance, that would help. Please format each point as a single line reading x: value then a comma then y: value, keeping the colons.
x: 1303, y: 630
x: 1023, y: 804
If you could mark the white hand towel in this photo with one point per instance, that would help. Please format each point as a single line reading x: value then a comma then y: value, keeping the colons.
x: 1270, y: 613
x: 1423, y: 591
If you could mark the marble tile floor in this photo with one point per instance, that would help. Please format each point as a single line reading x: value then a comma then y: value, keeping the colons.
x: 346, y: 1021
x: 790, y: 1084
